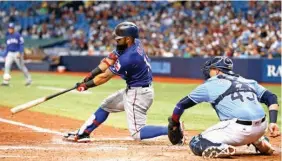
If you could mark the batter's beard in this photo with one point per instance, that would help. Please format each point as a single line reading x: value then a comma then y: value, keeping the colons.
x: 121, y: 47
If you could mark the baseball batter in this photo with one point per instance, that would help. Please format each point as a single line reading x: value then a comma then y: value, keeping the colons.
x: 14, y: 53
x: 131, y: 63
x: 236, y: 101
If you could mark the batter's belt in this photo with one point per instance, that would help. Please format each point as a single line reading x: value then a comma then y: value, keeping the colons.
x: 144, y: 86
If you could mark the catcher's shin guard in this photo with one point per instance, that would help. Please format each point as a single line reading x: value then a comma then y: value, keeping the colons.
x: 198, y: 145
x: 263, y: 146
x: 221, y: 151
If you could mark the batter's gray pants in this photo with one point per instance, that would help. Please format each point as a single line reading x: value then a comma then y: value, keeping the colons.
x: 135, y: 102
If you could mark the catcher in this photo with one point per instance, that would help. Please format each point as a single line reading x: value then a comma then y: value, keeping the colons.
x: 236, y: 101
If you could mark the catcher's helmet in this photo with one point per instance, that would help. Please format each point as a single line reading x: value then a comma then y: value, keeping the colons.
x: 126, y: 29
x: 222, y: 63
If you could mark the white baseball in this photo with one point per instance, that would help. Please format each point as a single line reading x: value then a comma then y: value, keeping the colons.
x: 7, y: 77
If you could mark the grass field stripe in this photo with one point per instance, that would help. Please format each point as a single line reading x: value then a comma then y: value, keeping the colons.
x: 35, y: 128
x: 61, y: 89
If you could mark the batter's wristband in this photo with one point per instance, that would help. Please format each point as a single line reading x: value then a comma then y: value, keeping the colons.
x: 90, y: 84
x: 273, y: 116
x: 95, y: 72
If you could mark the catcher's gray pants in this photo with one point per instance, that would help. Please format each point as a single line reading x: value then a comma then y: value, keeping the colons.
x: 12, y: 57
x: 135, y: 102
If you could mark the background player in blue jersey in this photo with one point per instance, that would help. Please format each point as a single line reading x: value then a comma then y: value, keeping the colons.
x: 131, y: 63
x: 14, y: 53
x: 236, y: 101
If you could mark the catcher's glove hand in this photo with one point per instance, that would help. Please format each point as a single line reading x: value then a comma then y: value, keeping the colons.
x: 175, y: 132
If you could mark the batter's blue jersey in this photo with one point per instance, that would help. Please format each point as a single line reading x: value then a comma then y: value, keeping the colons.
x: 14, y: 42
x: 242, y: 105
x: 133, y: 66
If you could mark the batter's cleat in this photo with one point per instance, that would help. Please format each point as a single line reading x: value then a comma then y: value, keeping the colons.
x: 263, y: 146
x: 5, y: 84
x: 74, y: 137
x: 222, y: 151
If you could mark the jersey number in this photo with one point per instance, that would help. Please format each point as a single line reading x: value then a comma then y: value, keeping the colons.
x: 237, y: 95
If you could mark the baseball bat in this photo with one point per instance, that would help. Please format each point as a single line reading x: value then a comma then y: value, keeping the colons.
x: 38, y: 101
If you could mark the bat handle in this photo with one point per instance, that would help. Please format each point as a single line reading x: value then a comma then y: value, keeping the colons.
x: 62, y: 92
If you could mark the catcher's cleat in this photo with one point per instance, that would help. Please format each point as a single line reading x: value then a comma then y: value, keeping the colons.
x: 222, y: 151
x: 263, y: 146
x: 74, y: 137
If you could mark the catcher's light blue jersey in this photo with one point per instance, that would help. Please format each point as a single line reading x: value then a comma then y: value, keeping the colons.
x: 133, y: 66
x: 243, y: 105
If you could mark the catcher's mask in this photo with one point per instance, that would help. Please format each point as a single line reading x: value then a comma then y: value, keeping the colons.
x: 224, y: 64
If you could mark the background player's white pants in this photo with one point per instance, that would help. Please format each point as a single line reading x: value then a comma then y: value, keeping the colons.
x: 12, y: 57
x: 232, y: 133
x: 135, y: 102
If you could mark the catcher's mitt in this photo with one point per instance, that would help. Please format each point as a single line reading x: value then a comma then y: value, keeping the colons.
x: 175, y: 132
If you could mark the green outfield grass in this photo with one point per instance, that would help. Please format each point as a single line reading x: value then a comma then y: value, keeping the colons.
x: 80, y: 106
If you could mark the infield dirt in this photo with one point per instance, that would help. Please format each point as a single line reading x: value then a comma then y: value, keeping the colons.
x: 21, y: 143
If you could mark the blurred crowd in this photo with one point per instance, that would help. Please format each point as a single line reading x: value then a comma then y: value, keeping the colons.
x: 173, y: 29
x: 212, y: 28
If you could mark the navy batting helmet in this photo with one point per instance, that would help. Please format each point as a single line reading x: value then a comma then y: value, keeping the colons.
x: 126, y: 29
x: 222, y: 63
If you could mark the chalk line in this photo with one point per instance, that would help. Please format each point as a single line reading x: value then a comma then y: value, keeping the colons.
x: 35, y: 128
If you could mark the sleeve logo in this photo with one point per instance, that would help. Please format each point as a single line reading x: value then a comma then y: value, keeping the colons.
x: 117, y: 65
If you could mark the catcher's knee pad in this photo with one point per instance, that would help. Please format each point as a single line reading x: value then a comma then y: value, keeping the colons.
x: 198, y: 144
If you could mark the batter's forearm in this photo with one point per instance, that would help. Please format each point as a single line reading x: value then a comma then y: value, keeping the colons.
x: 101, y: 68
x: 101, y: 79
x: 98, y: 80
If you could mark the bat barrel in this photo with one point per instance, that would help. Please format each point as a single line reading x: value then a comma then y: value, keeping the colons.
x: 38, y: 101
x: 27, y: 105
